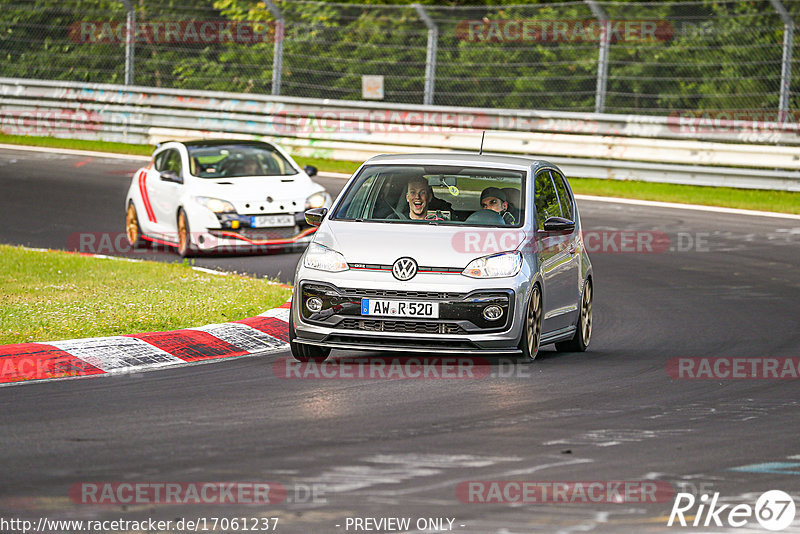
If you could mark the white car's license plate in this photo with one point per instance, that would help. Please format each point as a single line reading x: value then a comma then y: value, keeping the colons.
x: 267, y: 221
x: 399, y: 308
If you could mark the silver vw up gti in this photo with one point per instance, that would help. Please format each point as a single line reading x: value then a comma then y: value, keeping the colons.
x: 445, y: 253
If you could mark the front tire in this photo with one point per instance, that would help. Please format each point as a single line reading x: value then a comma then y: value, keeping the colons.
x: 532, y: 328
x: 185, y: 247
x: 132, y: 229
x: 583, y: 332
x: 305, y: 353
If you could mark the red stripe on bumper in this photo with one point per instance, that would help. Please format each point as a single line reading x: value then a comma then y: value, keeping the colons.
x: 37, y: 361
x: 190, y: 345
x: 286, y: 241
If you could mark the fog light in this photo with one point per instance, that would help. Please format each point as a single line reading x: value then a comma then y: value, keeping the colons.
x: 314, y: 304
x: 492, y: 313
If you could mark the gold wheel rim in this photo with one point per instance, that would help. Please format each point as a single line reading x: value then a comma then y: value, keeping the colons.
x: 131, y: 226
x: 182, y: 232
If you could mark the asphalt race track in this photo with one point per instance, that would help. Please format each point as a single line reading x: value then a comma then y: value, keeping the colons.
x: 385, y: 448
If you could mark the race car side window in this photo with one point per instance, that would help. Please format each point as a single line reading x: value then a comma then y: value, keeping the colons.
x: 173, y: 162
x: 546, y: 199
x: 161, y: 159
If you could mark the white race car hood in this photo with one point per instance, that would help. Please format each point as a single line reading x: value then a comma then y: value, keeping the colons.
x: 275, y: 194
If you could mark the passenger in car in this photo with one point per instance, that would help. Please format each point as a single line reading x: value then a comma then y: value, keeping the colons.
x: 513, y: 197
x: 493, y: 198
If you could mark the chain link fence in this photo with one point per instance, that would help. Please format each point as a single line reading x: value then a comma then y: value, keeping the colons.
x: 616, y: 57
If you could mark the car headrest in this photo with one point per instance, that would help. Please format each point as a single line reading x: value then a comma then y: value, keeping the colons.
x: 487, y: 217
x: 512, y: 195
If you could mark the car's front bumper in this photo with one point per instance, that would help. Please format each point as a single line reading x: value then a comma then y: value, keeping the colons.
x: 460, y: 327
x: 225, y: 232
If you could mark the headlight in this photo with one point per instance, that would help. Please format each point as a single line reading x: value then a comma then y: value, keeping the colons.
x: 324, y: 259
x: 317, y: 200
x: 495, y: 266
x: 216, y: 205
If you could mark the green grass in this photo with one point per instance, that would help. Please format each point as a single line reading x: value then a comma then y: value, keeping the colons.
x: 77, y: 144
x: 751, y: 199
x: 329, y: 165
x: 49, y: 296
x: 729, y: 197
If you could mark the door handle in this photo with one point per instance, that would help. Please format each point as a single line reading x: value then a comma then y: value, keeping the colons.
x: 572, y: 249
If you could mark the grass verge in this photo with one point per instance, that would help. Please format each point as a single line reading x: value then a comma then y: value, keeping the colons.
x: 49, y: 296
x: 77, y: 144
x: 728, y: 197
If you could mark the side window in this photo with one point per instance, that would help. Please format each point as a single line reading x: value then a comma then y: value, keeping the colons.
x: 546, y: 199
x: 359, y: 205
x: 161, y: 159
x: 173, y: 162
x: 564, y: 197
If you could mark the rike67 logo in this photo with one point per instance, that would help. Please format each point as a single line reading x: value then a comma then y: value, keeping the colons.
x: 774, y: 510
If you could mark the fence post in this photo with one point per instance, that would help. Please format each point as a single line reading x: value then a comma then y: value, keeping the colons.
x: 130, y: 41
x: 602, y: 58
x: 277, y: 56
x: 430, y: 59
x: 786, y: 64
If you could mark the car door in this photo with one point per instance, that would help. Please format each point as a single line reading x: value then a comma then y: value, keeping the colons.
x: 554, y: 254
x: 571, y: 253
x: 165, y: 193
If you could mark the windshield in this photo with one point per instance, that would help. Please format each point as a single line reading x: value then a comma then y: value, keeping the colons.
x: 469, y: 196
x: 231, y: 161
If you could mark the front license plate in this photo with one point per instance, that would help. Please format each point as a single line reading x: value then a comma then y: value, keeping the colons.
x: 399, y: 308
x: 268, y: 221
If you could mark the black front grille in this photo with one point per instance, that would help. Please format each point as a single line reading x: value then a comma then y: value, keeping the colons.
x: 406, y: 327
x: 375, y: 293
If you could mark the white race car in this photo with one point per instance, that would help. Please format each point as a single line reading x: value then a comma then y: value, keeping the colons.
x: 221, y: 196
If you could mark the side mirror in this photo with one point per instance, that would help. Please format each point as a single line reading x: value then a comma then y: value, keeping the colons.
x: 171, y: 176
x: 558, y: 224
x: 310, y: 170
x: 314, y: 216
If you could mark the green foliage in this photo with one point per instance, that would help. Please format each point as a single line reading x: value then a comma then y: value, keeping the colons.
x: 715, y: 56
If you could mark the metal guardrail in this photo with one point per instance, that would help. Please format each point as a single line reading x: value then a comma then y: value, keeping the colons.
x: 595, y: 145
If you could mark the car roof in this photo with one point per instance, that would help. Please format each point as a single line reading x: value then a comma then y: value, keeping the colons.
x: 214, y: 142
x: 219, y: 142
x: 449, y: 158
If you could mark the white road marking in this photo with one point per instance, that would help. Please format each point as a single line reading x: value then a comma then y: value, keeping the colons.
x: 73, y: 152
x: 243, y: 337
x: 278, y: 313
x: 693, y: 207
x: 117, y: 354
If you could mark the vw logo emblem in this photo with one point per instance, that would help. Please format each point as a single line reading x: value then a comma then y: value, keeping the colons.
x: 404, y: 269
